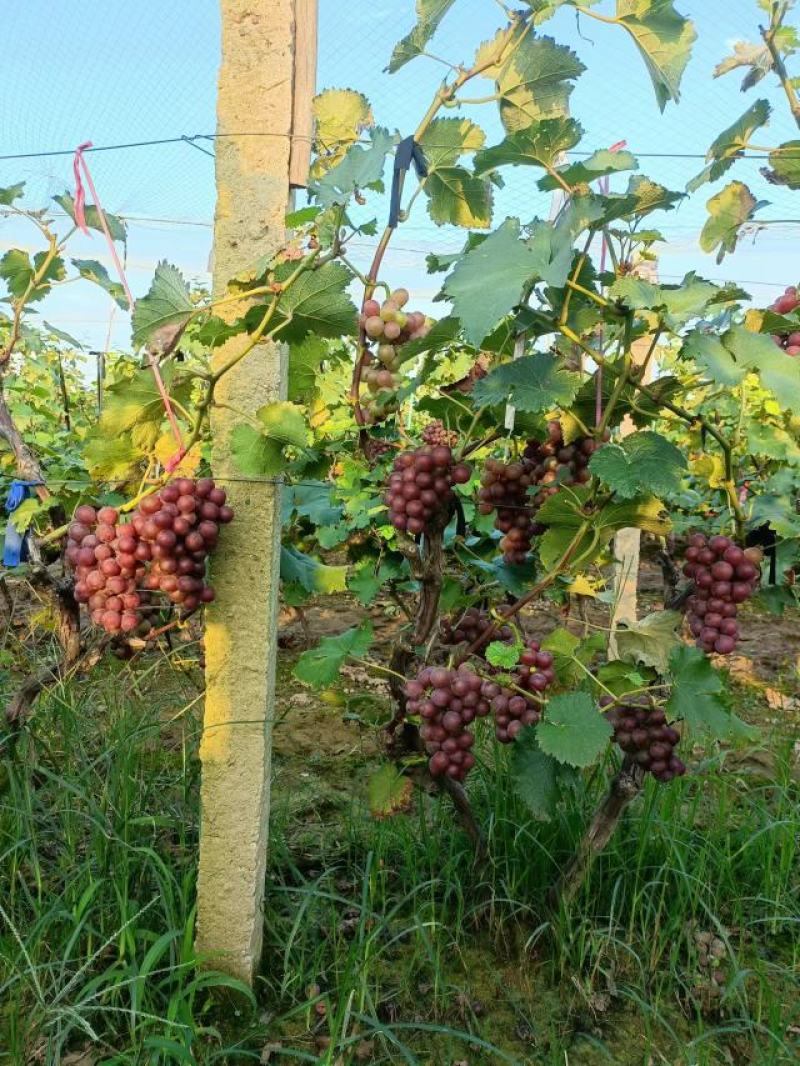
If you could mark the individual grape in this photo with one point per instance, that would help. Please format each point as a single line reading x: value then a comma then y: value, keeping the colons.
x: 448, y: 701
x: 724, y: 575
x: 641, y: 731
x: 419, y: 489
x: 504, y: 489
x: 520, y: 705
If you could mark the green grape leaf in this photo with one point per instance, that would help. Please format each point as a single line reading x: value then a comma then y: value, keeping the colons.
x: 11, y: 193
x: 261, y: 452
x: 116, y: 226
x: 499, y: 653
x: 651, y: 641
x: 313, y: 500
x: 573, y: 730
x: 61, y: 335
x: 535, y: 81
x: 317, y: 303
x: 664, y: 39
x: 447, y: 139
x: 340, y: 116
x: 727, y: 213
x: 167, y: 303
x: 784, y: 162
x: 110, y: 458
x: 731, y: 143
x: 680, y: 303
x: 535, y: 776
x: 321, y: 665
x: 389, y: 792
x: 534, y: 383
x: 365, y: 583
x: 642, y: 197
x: 457, y: 198
x: 134, y: 411
x: 640, y: 462
x: 359, y: 168
x: 697, y: 690
x: 429, y: 14
x: 729, y: 358
x: 215, y: 331
x: 305, y: 361
x: 18, y: 272
x: 91, y: 270
x: 598, y: 165
x: 539, y: 144
x: 313, y: 575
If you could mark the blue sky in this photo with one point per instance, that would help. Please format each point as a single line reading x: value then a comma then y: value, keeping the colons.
x: 115, y: 72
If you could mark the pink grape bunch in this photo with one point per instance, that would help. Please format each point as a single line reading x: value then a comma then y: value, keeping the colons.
x: 511, y: 707
x: 469, y: 626
x: 420, y: 487
x: 784, y: 305
x: 552, y: 463
x: 436, y: 433
x: 388, y: 327
x: 448, y: 701
x: 504, y: 490
x: 641, y: 731
x: 724, y: 576
x: 162, y: 549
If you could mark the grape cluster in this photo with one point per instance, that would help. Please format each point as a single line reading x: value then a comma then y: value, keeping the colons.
x: 420, y: 486
x: 784, y: 305
x: 641, y: 730
x: 448, y: 701
x: 724, y: 576
x: 504, y: 489
x: 389, y: 327
x: 467, y: 627
x: 435, y: 433
x: 511, y: 708
x: 552, y: 462
x: 118, y: 566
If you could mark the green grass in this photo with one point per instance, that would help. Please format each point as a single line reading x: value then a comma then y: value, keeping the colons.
x: 384, y: 941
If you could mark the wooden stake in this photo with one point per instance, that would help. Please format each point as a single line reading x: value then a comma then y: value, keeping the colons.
x: 305, y: 81
x: 252, y: 173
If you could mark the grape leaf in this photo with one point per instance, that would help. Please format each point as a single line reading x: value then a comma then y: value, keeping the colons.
x: 535, y: 81
x: 696, y: 695
x: 167, y: 303
x: 534, y: 382
x: 321, y: 665
x: 679, y: 303
x: 110, y: 458
x: 457, y: 198
x: 359, y: 168
x: 641, y: 461
x: 312, y: 500
x: 785, y: 165
x: 133, y: 409
x: 116, y: 226
x: 573, y: 730
x: 651, y: 640
x: 539, y: 144
x: 728, y: 211
x: 447, y: 139
x: 91, y: 270
x: 340, y: 116
x: 429, y: 14
x: 665, y: 40
x: 730, y: 143
x: 11, y: 193
x: 305, y: 360
x: 729, y: 358
x: 746, y: 54
x: 598, y: 165
x: 534, y: 776
x: 499, y: 653
x: 642, y: 196
x: 310, y: 573
x: 17, y: 270
x: 61, y: 335
x: 316, y: 303
x: 389, y: 792
x: 262, y: 452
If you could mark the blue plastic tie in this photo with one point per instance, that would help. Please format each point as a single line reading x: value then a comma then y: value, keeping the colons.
x: 15, y: 546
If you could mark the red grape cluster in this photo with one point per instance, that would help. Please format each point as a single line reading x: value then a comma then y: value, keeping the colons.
x: 784, y: 305
x: 504, y: 489
x: 724, y: 576
x: 389, y: 326
x: 162, y: 549
x: 641, y: 731
x: 467, y: 627
x: 511, y: 708
x: 552, y: 462
x: 448, y: 701
x: 420, y: 486
x: 435, y: 433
